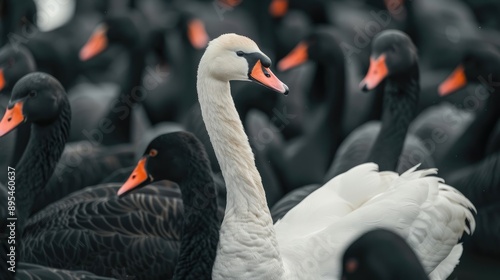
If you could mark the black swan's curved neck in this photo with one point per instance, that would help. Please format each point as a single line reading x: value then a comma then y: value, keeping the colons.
x: 38, y: 162
x: 327, y: 131
x: 201, y: 226
x: 375, y: 113
x: 471, y: 146
x: 479, y: 182
x: 120, y: 114
x: 400, y: 107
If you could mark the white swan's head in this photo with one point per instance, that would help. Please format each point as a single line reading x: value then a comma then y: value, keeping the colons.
x: 232, y: 57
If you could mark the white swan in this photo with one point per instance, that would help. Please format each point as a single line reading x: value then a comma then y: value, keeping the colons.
x: 308, y: 242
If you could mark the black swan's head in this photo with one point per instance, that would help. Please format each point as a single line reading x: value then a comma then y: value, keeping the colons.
x: 381, y: 255
x: 322, y: 46
x: 38, y: 98
x: 125, y: 29
x: 170, y: 157
x: 480, y: 63
x: 15, y: 62
x: 393, y: 53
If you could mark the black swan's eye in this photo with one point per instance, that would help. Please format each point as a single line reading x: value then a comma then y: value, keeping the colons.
x: 153, y: 153
x: 32, y: 94
x: 240, y: 53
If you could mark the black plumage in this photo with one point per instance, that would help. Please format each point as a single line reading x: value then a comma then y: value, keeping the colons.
x: 381, y: 254
x: 180, y: 157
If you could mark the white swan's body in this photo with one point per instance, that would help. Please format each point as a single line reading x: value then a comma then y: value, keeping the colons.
x: 308, y: 242
x: 427, y: 213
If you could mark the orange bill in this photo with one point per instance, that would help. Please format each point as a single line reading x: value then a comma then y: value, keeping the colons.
x: 197, y: 34
x: 2, y: 79
x: 12, y: 118
x: 376, y: 73
x: 393, y: 5
x: 454, y: 82
x: 296, y: 57
x: 265, y: 77
x: 97, y: 43
x: 278, y: 8
x: 138, y: 177
x: 230, y: 3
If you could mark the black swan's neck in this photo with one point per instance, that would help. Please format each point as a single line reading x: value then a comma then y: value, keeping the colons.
x: 327, y: 131
x: 201, y: 226
x: 120, y: 114
x: 471, y: 147
x: 375, y: 113
x: 23, y: 135
x: 400, y: 107
x: 38, y: 162
x: 478, y: 182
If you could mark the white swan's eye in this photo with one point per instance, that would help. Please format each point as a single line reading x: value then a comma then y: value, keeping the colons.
x: 240, y: 53
x: 153, y: 153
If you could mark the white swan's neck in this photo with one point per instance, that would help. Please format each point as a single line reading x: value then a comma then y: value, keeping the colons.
x: 247, y: 237
x: 231, y: 146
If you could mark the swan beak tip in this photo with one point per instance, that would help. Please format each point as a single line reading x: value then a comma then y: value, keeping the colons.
x: 363, y: 86
x: 377, y: 72
x: 287, y: 90
x: 138, y: 177
x: 13, y: 117
x: 264, y: 76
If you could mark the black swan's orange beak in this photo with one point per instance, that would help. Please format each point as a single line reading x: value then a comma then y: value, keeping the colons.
x: 97, y: 43
x: 454, y: 82
x: 197, y: 34
x: 138, y: 177
x: 278, y: 8
x: 265, y: 77
x: 12, y: 118
x: 376, y: 73
x: 295, y: 58
x: 230, y: 3
x: 2, y: 79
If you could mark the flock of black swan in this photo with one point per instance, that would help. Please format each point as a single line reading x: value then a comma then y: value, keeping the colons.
x: 235, y: 139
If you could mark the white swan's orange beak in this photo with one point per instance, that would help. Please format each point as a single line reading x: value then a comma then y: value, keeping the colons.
x: 454, y: 82
x: 197, y: 34
x: 2, y: 79
x: 295, y: 58
x: 264, y: 76
x: 13, y: 117
x: 97, y: 43
x: 138, y: 178
x: 376, y: 73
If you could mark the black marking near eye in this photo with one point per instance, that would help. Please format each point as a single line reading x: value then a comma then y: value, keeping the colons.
x: 252, y: 58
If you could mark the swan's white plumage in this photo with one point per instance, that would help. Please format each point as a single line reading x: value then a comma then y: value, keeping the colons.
x: 308, y: 242
x: 430, y: 215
